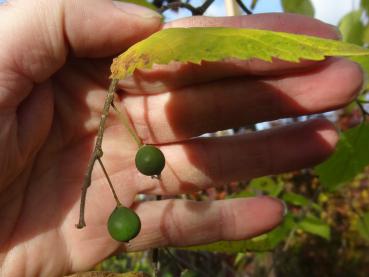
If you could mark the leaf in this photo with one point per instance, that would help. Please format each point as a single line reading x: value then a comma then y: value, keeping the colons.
x: 352, y: 28
x: 295, y: 199
x: 363, y: 226
x: 349, y: 159
x: 268, y: 185
x: 365, y: 5
x: 242, y: 194
x: 299, y: 200
x: 265, y: 242
x: 213, y: 44
x: 298, y: 6
x: 363, y: 61
x: 315, y: 226
x: 143, y: 3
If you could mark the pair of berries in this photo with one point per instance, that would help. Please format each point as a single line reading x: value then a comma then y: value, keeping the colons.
x: 123, y: 223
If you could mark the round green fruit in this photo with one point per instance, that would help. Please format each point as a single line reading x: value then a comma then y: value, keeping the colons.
x: 123, y: 224
x: 150, y: 160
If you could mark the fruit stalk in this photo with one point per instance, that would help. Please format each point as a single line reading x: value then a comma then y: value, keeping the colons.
x: 97, y: 153
x: 125, y: 121
x: 119, y: 204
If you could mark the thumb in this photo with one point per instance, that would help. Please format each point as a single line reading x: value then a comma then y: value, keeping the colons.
x: 105, y: 26
x: 37, y: 35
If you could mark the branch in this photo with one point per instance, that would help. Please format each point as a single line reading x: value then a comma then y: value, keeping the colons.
x: 364, y: 112
x: 176, y: 5
x: 194, y: 11
x: 97, y: 153
x: 302, y: 215
x: 243, y: 7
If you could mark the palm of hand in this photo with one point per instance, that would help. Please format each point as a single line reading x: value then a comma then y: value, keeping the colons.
x: 45, y: 195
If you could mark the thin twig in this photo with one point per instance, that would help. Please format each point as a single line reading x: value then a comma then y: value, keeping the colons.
x: 119, y: 204
x: 363, y: 101
x: 156, y: 252
x: 202, y: 9
x: 302, y: 215
x: 155, y: 261
x: 194, y: 11
x: 97, y: 153
x: 177, y: 5
x: 253, y: 4
x: 364, y: 112
x: 183, y: 263
x: 291, y: 234
x: 243, y: 7
x: 125, y: 121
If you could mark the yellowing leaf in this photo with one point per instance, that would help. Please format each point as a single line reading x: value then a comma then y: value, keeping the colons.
x: 213, y: 44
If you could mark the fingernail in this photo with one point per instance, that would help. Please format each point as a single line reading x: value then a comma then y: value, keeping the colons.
x: 336, y: 30
x: 285, y: 207
x: 136, y: 10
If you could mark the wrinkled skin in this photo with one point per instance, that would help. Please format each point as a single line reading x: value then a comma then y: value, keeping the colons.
x: 54, y: 66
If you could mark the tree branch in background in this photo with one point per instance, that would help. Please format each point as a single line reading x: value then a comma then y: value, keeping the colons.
x: 364, y: 112
x: 194, y: 11
x: 243, y: 7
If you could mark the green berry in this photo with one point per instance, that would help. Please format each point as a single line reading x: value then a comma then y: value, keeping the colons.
x: 150, y: 160
x: 123, y: 224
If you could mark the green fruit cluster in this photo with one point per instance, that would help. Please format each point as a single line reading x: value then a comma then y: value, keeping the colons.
x: 123, y: 223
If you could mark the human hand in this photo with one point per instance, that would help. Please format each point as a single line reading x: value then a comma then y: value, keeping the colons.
x: 50, y: 113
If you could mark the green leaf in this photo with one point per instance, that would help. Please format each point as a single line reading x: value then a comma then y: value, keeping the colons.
x: 349, y: 159
x: 267, y: 185
x: 242, y: 194
x: 295, y: 199
x: 143, y: 3
x: 315, y: 226
x: 265, y: 242
x: 363, y: 226
x: 352, y: 28
x: 365, y: 5
x: 213, y: 44
x: 363, y: 61
x: 299, y: 200
x: 298, y: 6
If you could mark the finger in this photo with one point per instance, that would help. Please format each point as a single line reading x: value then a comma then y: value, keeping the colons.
x: 184, y: 223
x: 189, y: 112
x: 35, y: 48
x: 201, y: 163
x: 166, y: 77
